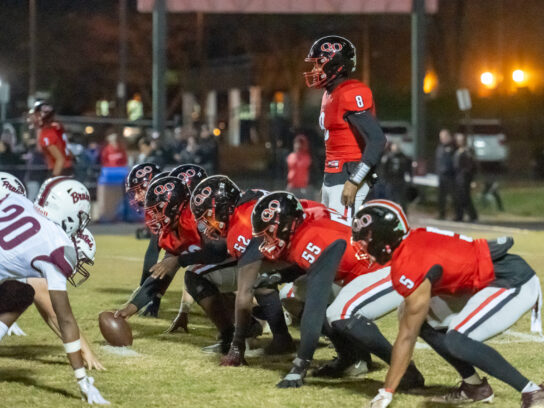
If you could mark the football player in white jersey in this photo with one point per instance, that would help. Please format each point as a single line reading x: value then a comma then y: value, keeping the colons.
x: 36, y: 242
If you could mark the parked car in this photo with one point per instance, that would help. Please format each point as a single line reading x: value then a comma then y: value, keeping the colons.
x: 400, y: 132
x: 487, y: 138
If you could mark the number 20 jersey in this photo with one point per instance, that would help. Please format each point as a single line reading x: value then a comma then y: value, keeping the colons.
x: 27, y: 237
x: 341, y: 145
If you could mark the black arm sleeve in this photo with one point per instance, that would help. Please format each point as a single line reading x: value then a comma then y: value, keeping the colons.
x: 434, y: 273
x: 320, y: 278
x: 252, y: 253
x: 212, y: 252
x: 366, y: 128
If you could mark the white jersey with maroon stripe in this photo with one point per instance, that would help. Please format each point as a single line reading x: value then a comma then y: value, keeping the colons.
x: 32, y: 245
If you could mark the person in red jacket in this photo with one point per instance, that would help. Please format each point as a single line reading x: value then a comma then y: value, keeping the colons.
x: 52, y: 140
x: 437, y: 271
x: 298, y: 166
x: 113, y: 154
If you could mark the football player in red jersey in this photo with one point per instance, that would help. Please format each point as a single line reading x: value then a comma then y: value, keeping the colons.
x: 496, y: 288
x: 223, y: 214
x: 316, y: 240
x: 354, y: 141
x: 51, y: 139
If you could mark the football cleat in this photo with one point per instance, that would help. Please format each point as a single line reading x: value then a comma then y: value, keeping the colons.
x: 533, y: 399
x: 467, y: 393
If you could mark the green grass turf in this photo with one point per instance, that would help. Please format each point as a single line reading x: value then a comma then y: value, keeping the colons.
x: 172, y: 371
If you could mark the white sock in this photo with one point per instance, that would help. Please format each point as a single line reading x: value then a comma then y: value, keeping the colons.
x: 530, y: 387
x: 3, y: 329
x: 474, y: 379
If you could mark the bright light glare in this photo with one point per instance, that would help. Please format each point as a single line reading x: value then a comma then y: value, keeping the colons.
x: 89, y: 130
x: 518, y: 76
x: 488, y: 79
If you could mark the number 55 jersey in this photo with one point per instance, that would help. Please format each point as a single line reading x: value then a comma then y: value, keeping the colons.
x: 33, y: 246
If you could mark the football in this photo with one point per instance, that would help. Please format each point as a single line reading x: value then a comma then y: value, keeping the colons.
x: 116, y: 330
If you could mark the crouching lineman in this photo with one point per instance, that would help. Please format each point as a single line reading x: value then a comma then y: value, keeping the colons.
x: 315, y: 239
x: 36, y: 241
x: 431, y: 262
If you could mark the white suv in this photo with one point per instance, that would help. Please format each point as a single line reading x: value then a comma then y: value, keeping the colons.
x: 487, y: 138
x: 400, y: 132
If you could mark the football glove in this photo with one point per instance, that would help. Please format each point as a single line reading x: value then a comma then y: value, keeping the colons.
x: 382, y: 400
x: 181, y: 321
x: 90, y: 393
x: 152, y: 308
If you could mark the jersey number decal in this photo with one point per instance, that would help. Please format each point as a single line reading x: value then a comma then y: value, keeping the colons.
x: 406, y: 282
x: 243, y: 243
x: 359, y: 100
x: 18, y: 231
x: 311, y: 250
x: 322, y: 125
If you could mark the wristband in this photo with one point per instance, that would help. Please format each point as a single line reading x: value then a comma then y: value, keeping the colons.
x: 72, y: 347
x: 80, y: 373
x: 185, y: 307
x: 360, y: 173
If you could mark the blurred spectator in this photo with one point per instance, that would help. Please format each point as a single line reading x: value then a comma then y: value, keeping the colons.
x: 102, y: 107
x: 397, y: 168
x: 135, y: 107
x: 8, y: 159
x: 114, y: 153
x: 207, y: 151
x: 445, y: 171
x: 181, y: 135
x: 299, y: 163
x: 51, y: 139
x: 9, y: 136
x: 190, y: 153
x: 36, y: 168
x: 464, y: 165
x: 148, y: 152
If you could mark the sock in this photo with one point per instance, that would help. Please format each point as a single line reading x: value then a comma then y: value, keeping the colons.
x: 474, y: 379
x: 273, y: 312
x: 530, y: 387
x: 3, y: 329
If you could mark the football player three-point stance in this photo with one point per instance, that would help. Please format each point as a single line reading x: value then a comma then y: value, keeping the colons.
x: 458, y: 292
x: 354, y: 140
x: 38, y: 242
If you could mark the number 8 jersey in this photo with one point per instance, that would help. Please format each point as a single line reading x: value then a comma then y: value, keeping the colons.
x: 32, y: 245
x: 341, y: 146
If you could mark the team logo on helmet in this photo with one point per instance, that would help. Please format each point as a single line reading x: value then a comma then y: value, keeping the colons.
x: 79, y: 197
x: 268, y: 213
x: 142, y: 172
x: 16, y: 189
x: 331, y: 47
x: 201, y: 197
x: 163, y: 188
x: 363, y: 222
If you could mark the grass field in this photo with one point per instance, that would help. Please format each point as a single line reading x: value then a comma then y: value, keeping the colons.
x: 171, y: 371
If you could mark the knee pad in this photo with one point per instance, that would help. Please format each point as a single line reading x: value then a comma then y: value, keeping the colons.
x: 15, y: 296
x: 198, y: 286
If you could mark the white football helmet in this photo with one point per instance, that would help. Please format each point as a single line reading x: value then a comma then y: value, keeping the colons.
x: 66, y: 202
x: 10, y: 184
x: 85, y: 249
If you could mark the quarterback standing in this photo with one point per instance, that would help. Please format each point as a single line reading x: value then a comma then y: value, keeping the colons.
x: 354, y: 141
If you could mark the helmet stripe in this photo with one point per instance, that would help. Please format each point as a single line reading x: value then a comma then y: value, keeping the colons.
x: 48, y: 188
x: 397, y: 209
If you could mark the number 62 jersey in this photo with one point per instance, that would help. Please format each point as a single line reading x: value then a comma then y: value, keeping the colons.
x: 33, y: 246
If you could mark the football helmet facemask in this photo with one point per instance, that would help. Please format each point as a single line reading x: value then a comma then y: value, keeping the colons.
x: 275, y: 217
x: 191, y: 174
x: 66, y: 202
x: 85, y: 250
x: 378, y: 229
x: 332, y: 56
x: 40, y: 113
x: 10, y: 184
x: 165, y: 198
x: 213, y: 201
x: 138, y: 180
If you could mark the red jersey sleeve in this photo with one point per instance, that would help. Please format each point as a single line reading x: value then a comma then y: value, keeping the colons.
x: 356, y: 98
x: 405, y: 282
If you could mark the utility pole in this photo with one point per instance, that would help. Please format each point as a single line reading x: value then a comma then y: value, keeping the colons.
x: 159, y: 66
x: 418, y: 74
x: 32, y: 50
x: 121, y: 85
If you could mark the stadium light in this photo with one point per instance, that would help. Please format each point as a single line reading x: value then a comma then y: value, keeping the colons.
x: 488, y: 79
x: 519, y: 76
